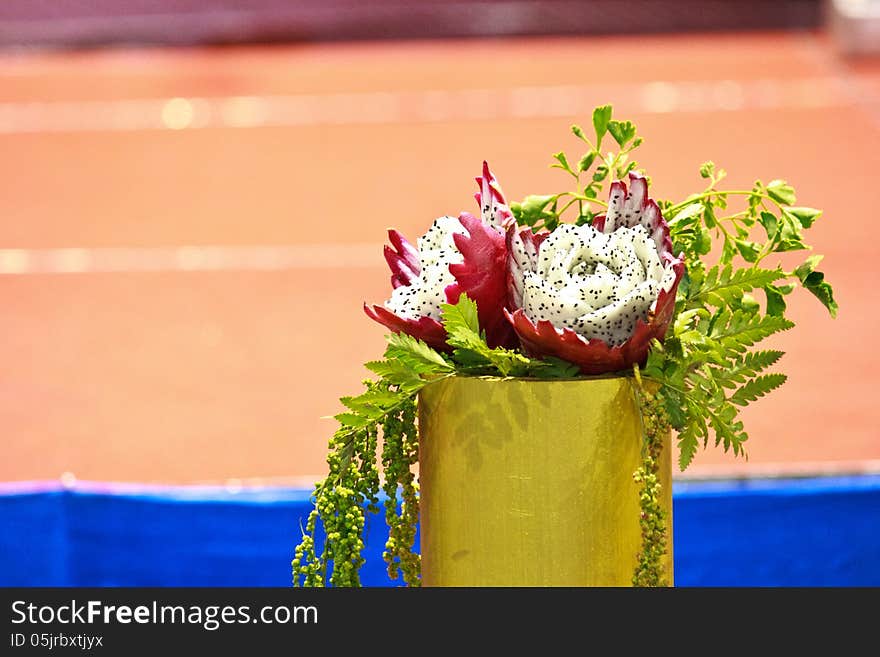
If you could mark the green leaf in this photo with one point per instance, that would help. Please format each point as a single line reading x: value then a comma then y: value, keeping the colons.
x: 822, y: 290
x: 553, y: 368
x: 396, y: 372
x: 532, y: 209
x: 353, y: 420
x: 794, y: 244
x: 601, y: 173
x: 721, y: 286
x: 728, y: 251
x: 757, y: 387
x: 709, y: 215
x: 748, y: 303
x: 736, y: 331
x: 806, y: 216
x: 563, y: 162
x: 416, y: 354
x: 461, y: 318
x: 707, y: 169
x: 372, y: 403
x: 807, y: 268
x: 687, y: 212
x: 673, y: 347
x: 623, y: 172
x: 622, y: 131
x: 689, y: 437
x: 578, y: 132
x: 775, y: 301
x: 601, y: 119
x: 587, y: 161
x: 703, y: 242
x: 672, y: 404
x: 516, y: 210
x: 586, y: 218
x: 781, y: 192
x: 469, y: 358
x: 748, y: 365
x: 462, y: 328
x: 748, y: 250
x: 770, y: 224
x: 815, y: 282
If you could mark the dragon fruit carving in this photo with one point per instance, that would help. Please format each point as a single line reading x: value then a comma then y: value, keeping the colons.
x: 596, y: 295
x: 463, y: 255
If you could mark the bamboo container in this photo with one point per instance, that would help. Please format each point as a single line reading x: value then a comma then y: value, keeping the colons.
x: 530, y: 483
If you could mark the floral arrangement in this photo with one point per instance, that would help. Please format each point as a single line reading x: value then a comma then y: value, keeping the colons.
x: 574, y: 284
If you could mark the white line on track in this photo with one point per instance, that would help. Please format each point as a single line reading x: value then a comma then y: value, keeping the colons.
x: 651, y: 97
x: 188, y: 259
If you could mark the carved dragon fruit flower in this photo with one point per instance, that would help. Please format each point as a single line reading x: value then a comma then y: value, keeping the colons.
x: 596, y: 295
x: 463, y: 255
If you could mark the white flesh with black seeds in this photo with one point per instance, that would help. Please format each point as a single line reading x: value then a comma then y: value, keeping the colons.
x: 598, y: 285
x: 437, y: 251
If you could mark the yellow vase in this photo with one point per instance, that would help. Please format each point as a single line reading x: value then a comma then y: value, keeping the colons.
x: 530, y: 483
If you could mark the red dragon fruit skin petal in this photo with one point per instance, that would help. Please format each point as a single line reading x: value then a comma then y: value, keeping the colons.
x: 403, y: 260
x: 638, y: 192
x: 401, y: 274
x: 615, y: 210
x: 632, y: 209
x: 427, y: 329
x: 593, y: 357
x: 490, y: 181
x: 657, y: 227
x: 406, y: 250
x: 528, y: 238
x: 665, y: 306
x: 482, y: 275
x: 490, y: 195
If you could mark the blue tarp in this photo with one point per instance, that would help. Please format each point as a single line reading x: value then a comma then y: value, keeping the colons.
x: 820, y: 531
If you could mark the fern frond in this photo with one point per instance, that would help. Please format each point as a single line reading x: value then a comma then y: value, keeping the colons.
x: 737, y: 371
x: 736, y: 331
x: 721, y: 287
x: 757, y: 387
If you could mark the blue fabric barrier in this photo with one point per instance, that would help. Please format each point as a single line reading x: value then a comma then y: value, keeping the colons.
x: 821, y: 531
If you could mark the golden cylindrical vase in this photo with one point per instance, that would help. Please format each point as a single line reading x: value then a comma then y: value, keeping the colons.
x: 530, y: 483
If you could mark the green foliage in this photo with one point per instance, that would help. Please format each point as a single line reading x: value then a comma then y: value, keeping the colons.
x: 594, y: 168
x: 400, y: 452
x: 707, y: 365
x: 652, y: 518
x: 535, y: 210
x: 473, y: 355
x: 707, y: 357
x: 601, y: 118
x: 814, y: 281
x: 622, y: 131
x: 719, y: 287
x: 387, y: 408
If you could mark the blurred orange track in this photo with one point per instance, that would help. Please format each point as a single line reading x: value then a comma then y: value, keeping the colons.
x: 194, y: 373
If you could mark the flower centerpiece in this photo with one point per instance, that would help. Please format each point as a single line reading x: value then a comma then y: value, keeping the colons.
x: 540, y: 355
